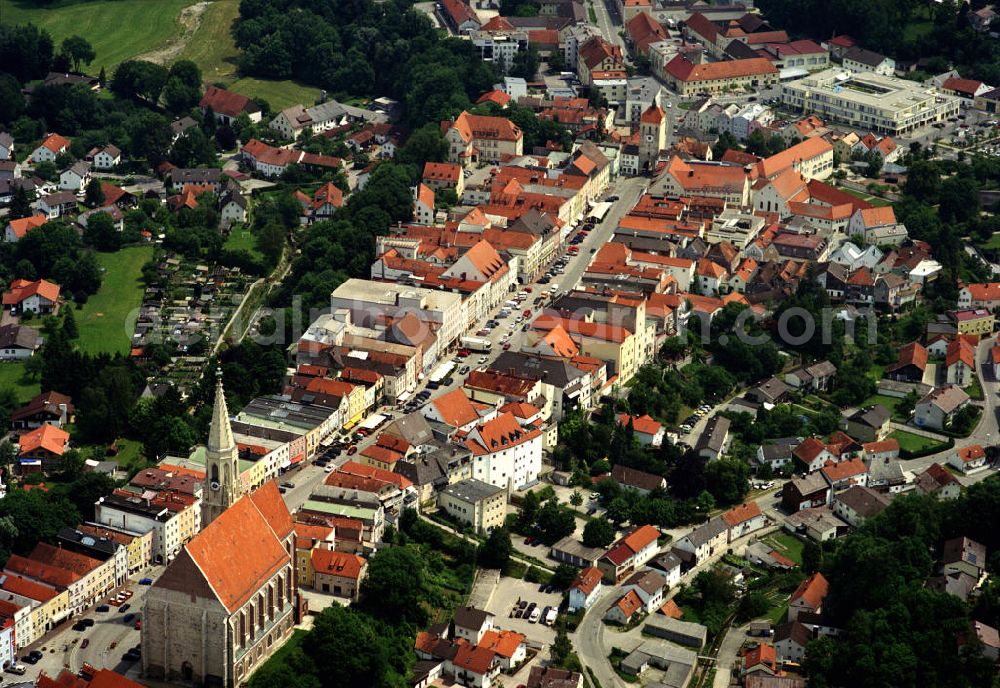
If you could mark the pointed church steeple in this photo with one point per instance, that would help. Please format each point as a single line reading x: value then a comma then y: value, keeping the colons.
x: 220, y: 434
x: 222, y: 485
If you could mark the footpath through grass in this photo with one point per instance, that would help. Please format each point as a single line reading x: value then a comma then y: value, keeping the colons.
x: 104, y: 321
x: 212, y: 47
x: 117, y: 29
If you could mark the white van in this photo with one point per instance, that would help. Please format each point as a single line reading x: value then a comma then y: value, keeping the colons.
x: 550, y: 618
x: 18, y: 669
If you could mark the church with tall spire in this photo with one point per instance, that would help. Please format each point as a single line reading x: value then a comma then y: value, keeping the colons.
x: 229, y: 599
x: 222, y: 466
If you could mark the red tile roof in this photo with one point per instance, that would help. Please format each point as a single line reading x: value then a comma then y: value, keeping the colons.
x: 835, y: 472
x: 442, y: 172
x: 21, y: 289
x: 973, y: 452
x: 225, y: 102
x: 741, y: 514
x: 629, y: 604
x: 337, y: 563
x: 959, y: 350
x: 473, y: 659
x: 47, y: 437
x: 587, y: 580
x: 671, y: 609
x: 237, y: 552
x: 503, y: 643
x: 812, y: 591
x: 684, y: 70
x: 23, y: 225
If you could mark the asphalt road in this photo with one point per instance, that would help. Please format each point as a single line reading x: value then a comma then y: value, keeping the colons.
x: 609, y: 21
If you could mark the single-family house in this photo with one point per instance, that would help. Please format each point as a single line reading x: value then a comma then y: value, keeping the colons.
x: 39, y: 297
x: 790, y: 640
x: 938, y: 480
x: 50, y: 148
x: 743, y: 520
x: 645, y: 428
x: 844, y: 474
x: 585, y: 588
x: 813, y: 454
x: 809, y: 596
x: 18, y: 342
x: 648, y: 585
x: 42, y: 449
x: 960, y: 362
x: 806, y: 492
x: 630, y: 553
x: 868, y: 424
x: 968, y: 459
x: 910, y: 366
x: 75, y: 177
x: 625, y: 609
x: 963, y: 554
x: 105, y: 157
x: 937, y: 409
x: 227, y: 106
x: 16, y: 229
x: 815, y: 376
x: 50, y: 408
x: 857, y: 504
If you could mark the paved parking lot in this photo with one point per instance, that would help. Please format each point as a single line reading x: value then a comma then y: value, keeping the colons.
x: 506, y: 596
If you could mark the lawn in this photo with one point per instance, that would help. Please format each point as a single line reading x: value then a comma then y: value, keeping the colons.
x: 908, y: 442
x: 106, y: 321
x: 241, y: 239
x: 787, y: 544
x: 993, y: 244
x: 212, y: 46
x: 890, y: 403
x: 117, y: 29
x: 278, y: 94
x: 865, y: 196
x: 975, y: 390
x: 130, y: 454
x: 12, y: 377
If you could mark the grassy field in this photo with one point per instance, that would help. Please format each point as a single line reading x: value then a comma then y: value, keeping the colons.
x: 12, y: 377
x: 865, y: 196
x: 915, y: 443
x: 117, y: 29
x: 212, y: 47
x: 242, y: 239
x: 890, y: 403
x: 104, y: 318
x: 993, y: 244
x: 278, y: 94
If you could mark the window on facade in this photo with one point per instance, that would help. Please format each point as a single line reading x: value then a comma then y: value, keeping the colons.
x: 270, y: 602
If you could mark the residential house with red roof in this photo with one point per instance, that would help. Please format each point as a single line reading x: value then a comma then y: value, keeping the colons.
x: 982, y: 295
x: 585, y: 588
x: 338, y: 573
x: 16, y: 229
x: 630, y: 553
x: 42, y: 449
x: 460, y: 16
x: 808, y: 597
x: 423, y: 204
x: 40, y: 297
x: 50, y: 148
x: 911, y: 365
x: 845, y: 473
x: 685, y: 178
x: 227, y: 106
x: 598, y: 55
x: 646, y: 429
x: 813, y: 454
x: 968, y: 89
x: 622, y: 611
x: 968, y: 459
x: 444, y: 175
x: 877, y: 226
x: 743, y: 520
x: 960, y: 362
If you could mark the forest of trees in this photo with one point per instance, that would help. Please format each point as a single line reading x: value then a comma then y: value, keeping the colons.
x: 901, y: 633
x: 363, y: 48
